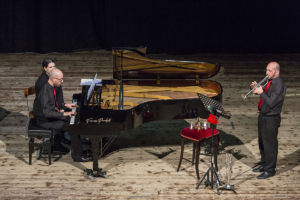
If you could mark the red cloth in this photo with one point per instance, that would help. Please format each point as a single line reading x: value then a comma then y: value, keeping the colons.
x: 137, y: 110
x: 148, y: 116
x: 56, y: 106
x: 197, y: 135
x: 266, y: 89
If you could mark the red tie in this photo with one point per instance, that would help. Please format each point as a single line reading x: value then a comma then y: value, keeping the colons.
x: 266, y: 89
x: 54, y: 91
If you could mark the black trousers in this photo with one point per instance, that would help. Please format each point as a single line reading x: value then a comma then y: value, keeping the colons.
x: 267, y: 140
x: 62, y: 125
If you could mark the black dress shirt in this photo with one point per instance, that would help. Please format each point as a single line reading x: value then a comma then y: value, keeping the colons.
x: 274, y: 98
x: 44, y: 105
x: 59, y: 93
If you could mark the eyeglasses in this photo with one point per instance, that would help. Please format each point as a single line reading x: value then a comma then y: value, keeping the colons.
x: 61, y: 80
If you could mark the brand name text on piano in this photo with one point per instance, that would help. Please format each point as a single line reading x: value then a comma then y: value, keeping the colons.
x: 91, y: 120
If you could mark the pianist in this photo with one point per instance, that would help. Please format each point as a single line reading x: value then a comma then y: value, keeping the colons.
x: 47, y: 115
x: 48, y: 64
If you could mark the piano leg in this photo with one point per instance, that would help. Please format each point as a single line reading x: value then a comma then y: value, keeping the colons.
x: 96, y: 172
x: 95, y: 150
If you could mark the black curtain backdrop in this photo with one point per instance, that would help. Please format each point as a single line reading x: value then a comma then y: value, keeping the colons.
x: 163, y: 26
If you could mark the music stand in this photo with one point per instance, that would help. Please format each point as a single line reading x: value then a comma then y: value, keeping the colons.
x: 215, y: 108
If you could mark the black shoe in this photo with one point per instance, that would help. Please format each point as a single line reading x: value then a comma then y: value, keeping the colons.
x: 266, y: 175
x: 259, y: 163
x: 85, y: 140
x: 259, y: 169
x: 88, y: 153
x: 87, y: 156
x: 82, y: 158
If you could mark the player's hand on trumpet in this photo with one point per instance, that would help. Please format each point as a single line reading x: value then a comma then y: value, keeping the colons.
x: 258, y: 90
x: 253, y: 84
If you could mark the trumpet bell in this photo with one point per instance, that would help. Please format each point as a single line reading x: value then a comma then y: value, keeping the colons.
x: 244, y: 96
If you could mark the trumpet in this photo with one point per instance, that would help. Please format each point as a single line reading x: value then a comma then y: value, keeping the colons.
x: 257, y: 85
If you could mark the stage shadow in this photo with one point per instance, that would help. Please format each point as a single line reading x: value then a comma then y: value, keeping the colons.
x: 16, y: 144
x: 3, y: 114
x: 283, y: 165
x: 161, y: 140
x: 287, y: 163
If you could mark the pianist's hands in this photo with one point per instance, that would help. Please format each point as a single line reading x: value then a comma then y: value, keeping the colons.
x: 72, y: 113
x: 71, y: 105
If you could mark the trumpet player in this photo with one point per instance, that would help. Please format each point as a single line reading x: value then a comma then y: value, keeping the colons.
x: 270, y: 106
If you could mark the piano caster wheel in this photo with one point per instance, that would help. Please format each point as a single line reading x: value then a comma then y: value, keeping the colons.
x: 106, y: 177
x: 103, y: 174
x: 91, y: 177
x: 91, y: 174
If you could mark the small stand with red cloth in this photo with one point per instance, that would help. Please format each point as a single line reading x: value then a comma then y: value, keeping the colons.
x: 197, y: 136
x: 215, y: 108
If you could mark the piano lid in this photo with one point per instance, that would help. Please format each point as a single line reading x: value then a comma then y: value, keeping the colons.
x: 136, y: 66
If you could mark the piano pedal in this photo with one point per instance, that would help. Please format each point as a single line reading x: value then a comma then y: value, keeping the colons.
x: 99, y: 173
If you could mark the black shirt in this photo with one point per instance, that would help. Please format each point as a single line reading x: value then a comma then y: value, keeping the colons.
x: 274, y: 98
x: 44, y: 105
x: 59, y: 93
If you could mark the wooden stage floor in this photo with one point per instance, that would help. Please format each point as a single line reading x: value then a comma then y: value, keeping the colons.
x: 142, y: 163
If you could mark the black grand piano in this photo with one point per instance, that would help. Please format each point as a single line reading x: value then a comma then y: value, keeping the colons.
x: 143, y: 90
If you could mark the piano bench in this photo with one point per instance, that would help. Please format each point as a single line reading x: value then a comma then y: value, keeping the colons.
x: 197, y: 137
x: 35, y: 131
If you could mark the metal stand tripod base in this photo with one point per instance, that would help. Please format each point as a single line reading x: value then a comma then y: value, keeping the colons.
x: 228, y: 187
x: 211, y: 182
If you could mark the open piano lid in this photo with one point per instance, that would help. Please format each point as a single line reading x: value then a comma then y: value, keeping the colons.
x: 136, y: 65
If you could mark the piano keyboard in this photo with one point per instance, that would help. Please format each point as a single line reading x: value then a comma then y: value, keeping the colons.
x: 72, y: 121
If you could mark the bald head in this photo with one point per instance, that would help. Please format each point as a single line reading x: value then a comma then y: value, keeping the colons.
x: 273, y: 70
x: 55, y: 73
x: 274, y: 65
x: 56, y: 77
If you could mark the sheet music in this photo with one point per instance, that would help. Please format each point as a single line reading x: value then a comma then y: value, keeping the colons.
x: 92, y: 86
x: 207, y: 102
x: 89, y: 81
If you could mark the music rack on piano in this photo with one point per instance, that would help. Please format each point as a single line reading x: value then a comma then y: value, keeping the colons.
x: 152, y: 90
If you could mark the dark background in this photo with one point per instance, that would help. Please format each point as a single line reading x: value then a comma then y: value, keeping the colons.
x: 163, y: 26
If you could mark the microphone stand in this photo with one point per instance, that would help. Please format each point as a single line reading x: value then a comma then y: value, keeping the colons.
x: 211, y: 182
x: 214, y: 107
